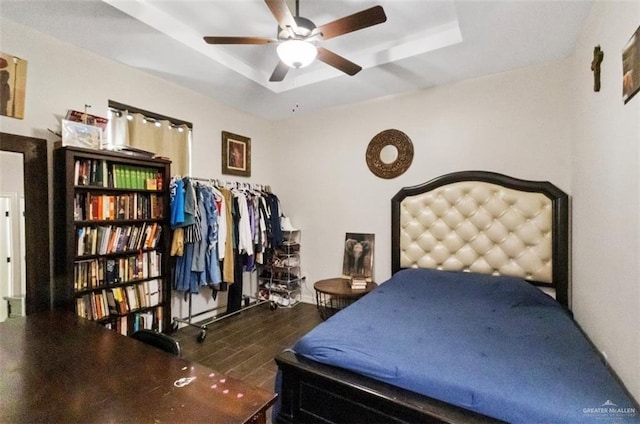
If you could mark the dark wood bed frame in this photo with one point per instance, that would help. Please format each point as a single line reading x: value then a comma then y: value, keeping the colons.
x: 311, y: 392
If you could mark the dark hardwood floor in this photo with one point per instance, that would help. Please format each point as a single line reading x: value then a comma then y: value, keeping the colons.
x: 243, y: 345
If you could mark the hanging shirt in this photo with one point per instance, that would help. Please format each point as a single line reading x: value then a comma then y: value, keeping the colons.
x: 222, y: 223
x: 212, y: 265
x: 201, y: 245
x: 177, y: 202
x: 177, y: 242
x: 192, y: 214
x: 274, y: 220
x: 228, y: 264
x: 245, y: 241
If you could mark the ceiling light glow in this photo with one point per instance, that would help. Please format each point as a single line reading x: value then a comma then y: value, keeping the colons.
x: 297, y: 53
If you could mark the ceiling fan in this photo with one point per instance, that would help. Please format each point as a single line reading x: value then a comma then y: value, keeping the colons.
x: 297, y: 36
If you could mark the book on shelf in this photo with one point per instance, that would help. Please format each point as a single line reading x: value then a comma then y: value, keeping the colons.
x: 93, y: 306
x: 88, y: 119
x: 159, y: 319
x: 123, y: 325
x: 121, y: 299
x: 153, y: 292
x: 102, y: 173
x: 111, y: 301
x: 82, y: 275
x: 111, y: 272
x: 105, y: 306
x: 140, y: 293
x: 90, y: 206
x: 101, y: 240
x: 132, y: 298
x: 96, y: 305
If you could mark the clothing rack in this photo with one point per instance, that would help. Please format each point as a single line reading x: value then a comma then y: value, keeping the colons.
x: 240, y: 185
x: 247, y: 301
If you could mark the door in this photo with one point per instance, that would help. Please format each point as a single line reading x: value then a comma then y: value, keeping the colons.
x: 23, y: 250
x: 6, y: 246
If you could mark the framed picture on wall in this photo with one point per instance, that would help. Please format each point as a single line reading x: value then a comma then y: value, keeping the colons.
x: 13, y: 82
x: 236, y: 154
x: 631, y: 67
x: 358, y: 256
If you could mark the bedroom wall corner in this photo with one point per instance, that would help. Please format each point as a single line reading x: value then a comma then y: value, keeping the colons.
x: 606, y: 193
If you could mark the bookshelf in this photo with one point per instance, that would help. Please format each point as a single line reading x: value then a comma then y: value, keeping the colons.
x: 112, y: 238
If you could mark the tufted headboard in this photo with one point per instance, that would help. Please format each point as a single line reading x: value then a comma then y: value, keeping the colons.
x: 487, y: 223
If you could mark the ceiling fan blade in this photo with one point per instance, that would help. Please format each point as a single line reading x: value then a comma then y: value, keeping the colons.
x: 355, y: 22
x: 238, y: 40
x: 279, y: 72
x: 337, y: 61
x: 281, y: 12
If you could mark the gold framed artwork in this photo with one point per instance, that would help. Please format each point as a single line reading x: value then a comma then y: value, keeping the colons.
x: 631, y: 67
x: 13, y: 82
x: 236, y: 154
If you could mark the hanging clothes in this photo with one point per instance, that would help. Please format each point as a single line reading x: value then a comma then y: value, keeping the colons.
x: 219, y: 233
x: 274, y: 219
x: 176, y: 190
x: 212, y: 264
x: 228, y: 264
x: 245, y: 241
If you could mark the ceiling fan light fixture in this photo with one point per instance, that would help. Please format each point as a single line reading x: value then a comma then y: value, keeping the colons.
x: 297, y: 53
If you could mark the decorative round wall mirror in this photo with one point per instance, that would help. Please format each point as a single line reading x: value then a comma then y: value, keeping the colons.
x: 389, y: 154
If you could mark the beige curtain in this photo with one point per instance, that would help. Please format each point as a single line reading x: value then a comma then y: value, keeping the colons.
x: 159, y: 137
x: 117, y: 129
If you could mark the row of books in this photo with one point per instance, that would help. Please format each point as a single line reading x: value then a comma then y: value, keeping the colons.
x: 106, y: 239
x: 151, y: 319
x: 102, y: 173
x: 95, y: 273
x: 89, y: 206
x: 101, y: 304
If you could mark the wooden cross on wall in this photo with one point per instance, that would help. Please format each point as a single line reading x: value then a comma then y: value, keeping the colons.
x: 598, y: 56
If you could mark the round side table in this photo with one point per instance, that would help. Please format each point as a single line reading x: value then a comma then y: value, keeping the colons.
x: 335, y: 294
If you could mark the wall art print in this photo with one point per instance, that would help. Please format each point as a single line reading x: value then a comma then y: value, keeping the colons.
x: 13, y: 82
x: 631, y: 67
x: 236, y: 154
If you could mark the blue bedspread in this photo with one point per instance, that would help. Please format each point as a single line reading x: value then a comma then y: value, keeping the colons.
x: 494, y: 345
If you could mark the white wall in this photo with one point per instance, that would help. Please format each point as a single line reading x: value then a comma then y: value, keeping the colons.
x: 516, y: 123
x: 606, y: 193
x: 61, y: 76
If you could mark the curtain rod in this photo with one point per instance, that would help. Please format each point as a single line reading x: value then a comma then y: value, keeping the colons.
x: 146, y: 113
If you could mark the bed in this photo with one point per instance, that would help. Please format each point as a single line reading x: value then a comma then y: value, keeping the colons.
x: 474, y: 325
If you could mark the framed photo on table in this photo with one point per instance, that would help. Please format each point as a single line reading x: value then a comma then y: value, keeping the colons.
x: 236, y: 154
x: 358, y: 256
